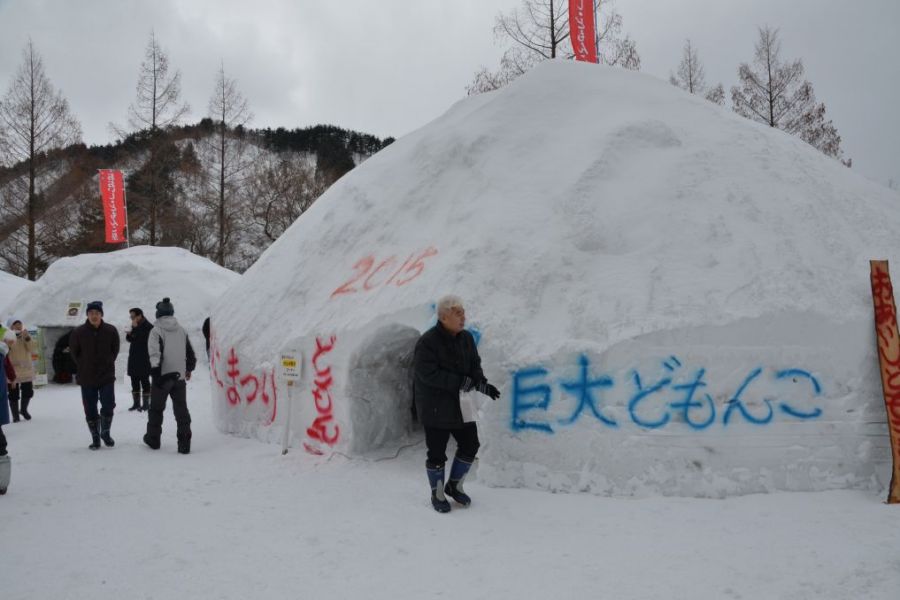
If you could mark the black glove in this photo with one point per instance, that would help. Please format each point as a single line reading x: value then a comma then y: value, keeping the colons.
x: 488, y: 390
x: 155, y: 376
x: 467, y: 385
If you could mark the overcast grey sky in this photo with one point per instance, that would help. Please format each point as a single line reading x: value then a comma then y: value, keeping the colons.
x: 389, y: 66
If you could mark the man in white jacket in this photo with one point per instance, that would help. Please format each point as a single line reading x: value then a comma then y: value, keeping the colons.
x: 172, y: 360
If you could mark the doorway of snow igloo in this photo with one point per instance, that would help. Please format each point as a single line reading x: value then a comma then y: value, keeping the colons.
x: 380, y: 388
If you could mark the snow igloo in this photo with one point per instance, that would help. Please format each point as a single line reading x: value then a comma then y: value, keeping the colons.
x: 135, y: 277
x: 671, y: 298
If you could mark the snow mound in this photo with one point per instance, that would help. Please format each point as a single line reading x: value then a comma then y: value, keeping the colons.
x: 672, y: 298
x: 136, y: 277
x: 10, y: 287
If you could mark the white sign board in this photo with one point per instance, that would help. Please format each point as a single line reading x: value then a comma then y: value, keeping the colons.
x: 291, y: 366
x: 74, y: 311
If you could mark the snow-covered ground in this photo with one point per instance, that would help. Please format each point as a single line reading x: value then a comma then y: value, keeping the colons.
x: 235, y: 519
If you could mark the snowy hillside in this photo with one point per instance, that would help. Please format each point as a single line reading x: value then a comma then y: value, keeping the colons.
x: 671, y: 298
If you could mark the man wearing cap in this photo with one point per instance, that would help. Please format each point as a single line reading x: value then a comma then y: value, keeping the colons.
x: 172, y: 360
x: 94, y: 347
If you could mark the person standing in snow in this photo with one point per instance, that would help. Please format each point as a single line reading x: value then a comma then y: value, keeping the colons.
x: 139, y: 359
x: 172, y: 360
x: 7, y: 374
x: 445, y: 363
x: 20, y: 357
x: 94, y: 347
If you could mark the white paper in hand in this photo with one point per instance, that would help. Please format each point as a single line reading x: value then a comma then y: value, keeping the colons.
x: 470, y: 403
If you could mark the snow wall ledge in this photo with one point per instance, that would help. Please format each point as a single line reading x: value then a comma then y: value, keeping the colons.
x: 781, y: 402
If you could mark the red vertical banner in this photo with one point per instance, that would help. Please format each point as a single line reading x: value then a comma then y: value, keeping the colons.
x: 112, y: 191
x: 581, y: 30
x: 889, y: 356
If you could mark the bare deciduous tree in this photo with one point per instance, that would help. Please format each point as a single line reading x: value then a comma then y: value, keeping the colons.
x: 229, y: 111
x: 158, y: 102
x: 691, y: 76
x: 539, y: 30
x: 34, y: 119
x: 716, y: 95
x: 156, y: 106
x: 282, y: 188
x: 776, y: 94
x: 540, y: 26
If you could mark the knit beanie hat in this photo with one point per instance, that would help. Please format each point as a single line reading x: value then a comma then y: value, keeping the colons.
x: 164, y: 308
x: 95, y: 305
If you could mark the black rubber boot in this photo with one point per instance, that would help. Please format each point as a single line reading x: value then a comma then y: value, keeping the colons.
x: 105, y: 425
x: 145, y: 401
x: 14, y: 406
x: 5, y: 469
x: 152, y: 441
x: 94, y: 427
x: 436, y: 480
x: 24, y: 410
x: 454, y: 487
x: 184, y: 441
x: 135, y: 401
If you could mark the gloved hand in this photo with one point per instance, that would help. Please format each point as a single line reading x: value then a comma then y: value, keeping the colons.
x: 467, y: 385
x: 488, y: 390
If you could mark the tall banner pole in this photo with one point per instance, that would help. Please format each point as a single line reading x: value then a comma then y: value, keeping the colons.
x: 125, y: 205
x: 888, y: 339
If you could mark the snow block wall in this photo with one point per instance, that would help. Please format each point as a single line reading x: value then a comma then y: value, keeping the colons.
x: 672, y: 299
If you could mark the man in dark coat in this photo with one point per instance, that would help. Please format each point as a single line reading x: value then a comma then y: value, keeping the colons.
x: 139, y: 359
x: 94, y: 347
x: 63, y: 366
x: 446, y: 362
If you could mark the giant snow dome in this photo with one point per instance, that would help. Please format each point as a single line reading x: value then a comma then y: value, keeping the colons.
x: 671, y: 298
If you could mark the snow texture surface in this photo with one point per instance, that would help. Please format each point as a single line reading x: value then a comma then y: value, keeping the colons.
x: 10, y: 287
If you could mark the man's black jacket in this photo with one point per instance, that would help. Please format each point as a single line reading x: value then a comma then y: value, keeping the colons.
x: 441, y: 361
x: 94, y: 350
